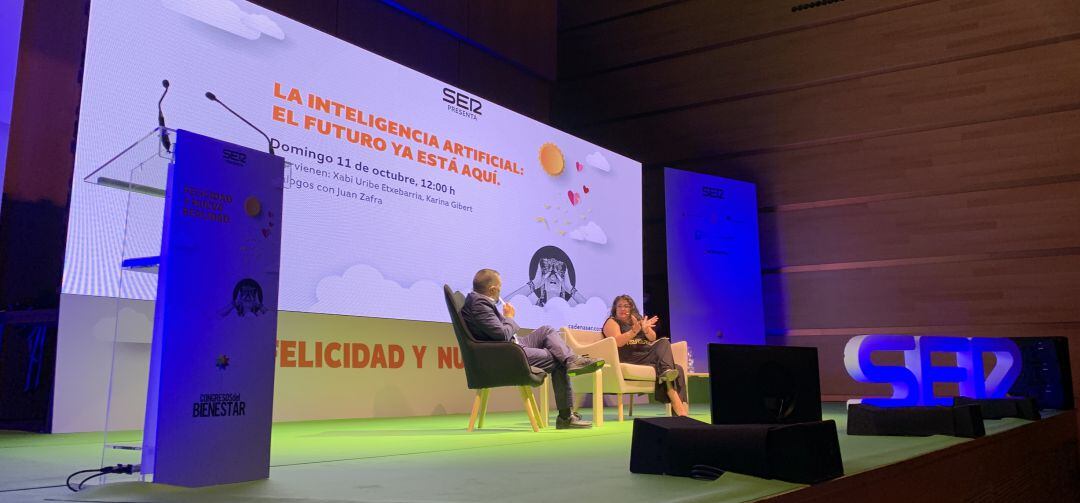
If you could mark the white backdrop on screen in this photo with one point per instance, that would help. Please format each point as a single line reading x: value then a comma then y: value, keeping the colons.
x: 369, y: 229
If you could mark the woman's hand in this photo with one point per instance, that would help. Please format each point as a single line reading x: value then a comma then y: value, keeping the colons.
x: 635, y: 325
x: 647, y: 325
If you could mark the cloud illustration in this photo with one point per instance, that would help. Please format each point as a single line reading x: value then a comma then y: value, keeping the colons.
x: 135, y: 325
x: 362, y: 286
x: 598, y: 161
x: 557, y: 313
x: 264, y: 24
x: 590, y: 232
x: 226, y: 15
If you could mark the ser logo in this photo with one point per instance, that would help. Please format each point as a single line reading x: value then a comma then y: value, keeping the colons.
x: 461, y: 103
x: 913, y: 381
x: 234, y: 157
x: 713, y: 192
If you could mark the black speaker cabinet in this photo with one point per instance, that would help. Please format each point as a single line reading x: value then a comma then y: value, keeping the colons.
x: 803, y: 453
x: 764, y: 384
x: 1045, y: 374
x: 997, y: 408
x: 957, y: 421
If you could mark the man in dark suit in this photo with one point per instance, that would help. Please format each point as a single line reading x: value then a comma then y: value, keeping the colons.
x: 543, y: 347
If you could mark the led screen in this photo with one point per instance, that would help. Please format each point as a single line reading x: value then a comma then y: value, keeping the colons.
x: 398, y: 183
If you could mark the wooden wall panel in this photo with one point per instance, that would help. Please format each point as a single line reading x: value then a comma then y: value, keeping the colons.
x: 575, y: 13
x: 394, y: 35
x: 981, y: 292
x: 982, y: 222
x: 40, y: 155
x: 921, y: 35
x: 917, y: 162
x: 453, y: 14
x: 505, y: 85
x: 522, y: 31
x: 970, y: 91
x: 693, y: 25
x: 503, y: 51
x: 1033, y: 149
x: 45, y: 107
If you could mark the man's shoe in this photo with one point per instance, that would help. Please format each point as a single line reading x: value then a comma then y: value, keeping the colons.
x: 579, y: 365
x: 573, y: 422
x: 669, y: 375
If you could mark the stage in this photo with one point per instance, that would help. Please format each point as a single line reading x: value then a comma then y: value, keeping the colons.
x: 435, y: 459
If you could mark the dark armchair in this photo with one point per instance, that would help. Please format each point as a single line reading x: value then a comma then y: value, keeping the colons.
x: 491, y: 364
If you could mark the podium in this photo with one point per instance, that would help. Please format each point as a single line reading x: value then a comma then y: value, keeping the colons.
x: 203, y: 231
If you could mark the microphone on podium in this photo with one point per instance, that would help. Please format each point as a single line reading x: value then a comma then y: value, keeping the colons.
x: 161, y: 118
x: 210, y: 96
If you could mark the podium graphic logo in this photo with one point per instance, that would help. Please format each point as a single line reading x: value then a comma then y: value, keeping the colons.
x: 247, y: 298
x: 234, y: 157
x: 222, y: 362
x: 219, y: 405
x: 252, y: 206
x: 553, y: 275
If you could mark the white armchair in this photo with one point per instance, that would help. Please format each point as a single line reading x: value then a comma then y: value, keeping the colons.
x: 619, y: 378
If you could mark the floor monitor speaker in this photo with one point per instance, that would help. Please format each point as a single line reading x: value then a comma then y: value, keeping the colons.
x: 764, y: 384
x: 803, y: 453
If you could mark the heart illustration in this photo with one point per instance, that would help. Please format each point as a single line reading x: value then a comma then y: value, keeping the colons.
x: 579, y: 166
x: 585, y: 188
x: 266, y: 233
x: 574, y: 197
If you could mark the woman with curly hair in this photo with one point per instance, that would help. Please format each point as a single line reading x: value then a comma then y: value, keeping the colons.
x: 639, y: 344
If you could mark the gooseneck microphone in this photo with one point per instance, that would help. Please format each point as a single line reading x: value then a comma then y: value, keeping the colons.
x: 210, y: 96
x: 161, y: 118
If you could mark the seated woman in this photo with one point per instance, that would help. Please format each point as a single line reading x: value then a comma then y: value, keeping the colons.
x: 638, y: 344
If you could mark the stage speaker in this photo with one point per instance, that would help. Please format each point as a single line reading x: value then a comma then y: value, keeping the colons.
x: 997, y: 408
x: 957, y: 421
x: 764, y: 384
x: 1045, y: 374
x: 803, y: 453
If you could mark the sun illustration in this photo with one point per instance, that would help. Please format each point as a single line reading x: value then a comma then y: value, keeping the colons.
x: 551, y: 159
x: 252, y: 206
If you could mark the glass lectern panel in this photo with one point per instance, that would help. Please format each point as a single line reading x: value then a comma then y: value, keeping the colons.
x: 141, y: 171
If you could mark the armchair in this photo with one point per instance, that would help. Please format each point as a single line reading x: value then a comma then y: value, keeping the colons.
x: 620, y: 378
x: 491, y: 364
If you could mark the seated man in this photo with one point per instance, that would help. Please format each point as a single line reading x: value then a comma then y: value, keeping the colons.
x: 543, y: 347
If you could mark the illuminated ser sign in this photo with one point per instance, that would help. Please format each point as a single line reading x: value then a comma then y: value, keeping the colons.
x: 913, y: 383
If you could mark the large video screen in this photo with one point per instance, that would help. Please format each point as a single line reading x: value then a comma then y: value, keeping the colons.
x: 398, y: 183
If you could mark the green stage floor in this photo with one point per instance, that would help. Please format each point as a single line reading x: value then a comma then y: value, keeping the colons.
x: 432, y: 459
